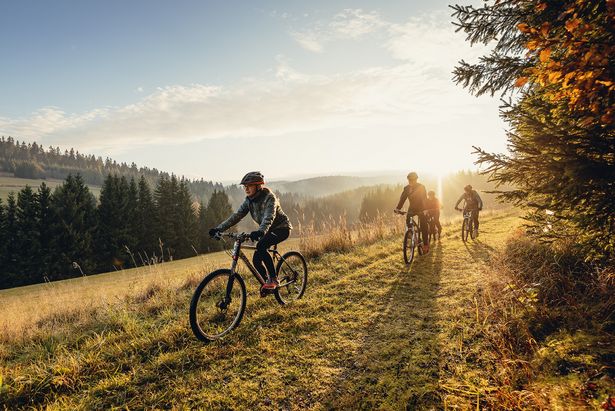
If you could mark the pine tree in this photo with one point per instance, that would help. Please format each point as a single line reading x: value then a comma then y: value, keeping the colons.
x: 556, y: 59
x: 3, y: 241
x: 186, y: 222
x: 218, y: 209
x: 27, y: 238
x: 11, y: 251
x: 74, y: 214
x: 146, y: 221
x: 45, y: 229
x: 166, y: 215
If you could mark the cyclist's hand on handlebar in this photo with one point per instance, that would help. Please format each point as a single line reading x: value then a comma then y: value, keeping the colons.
x: 214, y: 232
x: 457, y: 208
x: 398, y: 211
x: 256, y: 235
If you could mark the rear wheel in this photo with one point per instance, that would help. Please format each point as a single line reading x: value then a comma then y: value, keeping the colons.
x: 292, y: 277
x: 471, y: 229
x: 465, y: 229
x: 212, y: 313
x: 409, y: 244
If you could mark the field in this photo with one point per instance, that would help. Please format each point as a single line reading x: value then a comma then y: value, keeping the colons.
x: 370, y: 333
x: 14, y: 184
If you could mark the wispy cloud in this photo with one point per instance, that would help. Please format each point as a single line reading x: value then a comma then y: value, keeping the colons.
x: 414, y: 91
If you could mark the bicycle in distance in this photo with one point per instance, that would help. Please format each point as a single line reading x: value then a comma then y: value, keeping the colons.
x: 433, y: 230
x: 467, y: 226
x: 219, y: 301
x: 412, y: 237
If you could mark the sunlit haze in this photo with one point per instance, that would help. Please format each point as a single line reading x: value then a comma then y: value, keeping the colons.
x: 212, y: 89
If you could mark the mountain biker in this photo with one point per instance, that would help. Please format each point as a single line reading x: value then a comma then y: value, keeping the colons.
x: 416, y: 195
x: 473, y: 203
x: 433, y: 206
x: 274, y: 226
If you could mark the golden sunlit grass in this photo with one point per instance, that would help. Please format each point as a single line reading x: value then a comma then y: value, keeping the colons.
x: 369, y: 333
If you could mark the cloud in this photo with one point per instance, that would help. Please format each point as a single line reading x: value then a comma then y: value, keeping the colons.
x: 348, y: 24
x: 355, y: 23
x: 309, y: 41
x: 414, y: 91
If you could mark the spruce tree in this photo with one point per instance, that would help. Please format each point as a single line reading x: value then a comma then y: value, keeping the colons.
x: 555, y: 60
x: 186, y: 222
x: 108, y: 231
x: 74, y: 214
x: 218, y: 209
x: 146, y: 221
x: 3, y: 241
x: 27, y: 238
x: 11, y: 251
x: 45, y: 227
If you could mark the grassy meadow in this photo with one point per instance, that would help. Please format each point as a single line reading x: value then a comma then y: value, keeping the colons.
x: 369, y: 333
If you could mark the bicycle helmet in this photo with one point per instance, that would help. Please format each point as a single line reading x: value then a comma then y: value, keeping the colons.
x: 468, y: 188
x: 253, y: 177
x: 412, y: 176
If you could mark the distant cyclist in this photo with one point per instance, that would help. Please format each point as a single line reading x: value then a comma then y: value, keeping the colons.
x: 433, y: 206
x: 473, y: 203
x: 416, y: 195
x: 274, y: 225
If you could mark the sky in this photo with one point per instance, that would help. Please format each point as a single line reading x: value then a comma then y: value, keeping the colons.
x: 212, y: 89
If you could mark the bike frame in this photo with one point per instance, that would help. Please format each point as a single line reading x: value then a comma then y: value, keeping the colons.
x: 237, y: 255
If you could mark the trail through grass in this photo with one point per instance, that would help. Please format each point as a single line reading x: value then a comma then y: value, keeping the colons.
x: 369, y: 333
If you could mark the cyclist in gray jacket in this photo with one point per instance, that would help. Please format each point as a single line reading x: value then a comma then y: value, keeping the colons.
x: 274, y: 226
x: 472, y: 203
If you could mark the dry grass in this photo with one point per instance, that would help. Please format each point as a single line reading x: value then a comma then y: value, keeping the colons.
x: 549, y: 318
x: 370, y: 333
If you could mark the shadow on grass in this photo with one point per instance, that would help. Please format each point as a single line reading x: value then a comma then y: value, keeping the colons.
x: 479, y: 251
x: 396, y: 366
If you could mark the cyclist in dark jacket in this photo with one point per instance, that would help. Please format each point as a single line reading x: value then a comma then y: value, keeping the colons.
x: 472, y: 203
x: 416, y: 195
x: 433, y: 207
x: 274, y: 226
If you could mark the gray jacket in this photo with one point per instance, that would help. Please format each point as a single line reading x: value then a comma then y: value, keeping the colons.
x: 265, y: 210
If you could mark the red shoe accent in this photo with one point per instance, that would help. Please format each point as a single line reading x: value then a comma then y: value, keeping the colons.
x: 271, y: 284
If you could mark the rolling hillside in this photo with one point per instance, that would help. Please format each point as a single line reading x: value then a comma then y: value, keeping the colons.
x: 369, y: 333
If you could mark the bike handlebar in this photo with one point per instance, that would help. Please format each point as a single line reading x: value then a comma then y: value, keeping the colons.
x: 400, y: 212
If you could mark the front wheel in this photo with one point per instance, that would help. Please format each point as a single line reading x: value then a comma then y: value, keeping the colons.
x: 465, y: 229
x: 409, y: 245
x: 292, y: 276
x: 217, y: 305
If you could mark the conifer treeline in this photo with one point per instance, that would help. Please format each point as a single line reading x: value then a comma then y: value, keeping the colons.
x: 33, y: 161
x: 47, y: 236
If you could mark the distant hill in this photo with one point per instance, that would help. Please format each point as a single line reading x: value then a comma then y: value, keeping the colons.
x: 328, y: 185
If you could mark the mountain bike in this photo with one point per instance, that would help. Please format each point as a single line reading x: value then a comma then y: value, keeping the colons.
x: 412, y: 238
x: 467, y: 225
x: 219, y: 301
x: 432, y: 231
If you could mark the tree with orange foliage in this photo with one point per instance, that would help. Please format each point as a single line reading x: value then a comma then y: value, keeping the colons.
x: 554, y: 61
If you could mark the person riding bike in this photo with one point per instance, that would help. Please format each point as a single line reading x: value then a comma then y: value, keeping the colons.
x: 433, y: 206
x: 473, y: 203
x: 416, y: 195
x: 274, y: 225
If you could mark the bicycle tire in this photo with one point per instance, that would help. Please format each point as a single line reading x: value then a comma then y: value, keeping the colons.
x: 464, y: 230
x: 471, y: 229
x: 409, y: 245
x: 287, y: 270
x: 205, y: 313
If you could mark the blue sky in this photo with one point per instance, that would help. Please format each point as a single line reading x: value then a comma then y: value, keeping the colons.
x: 290, y: 88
